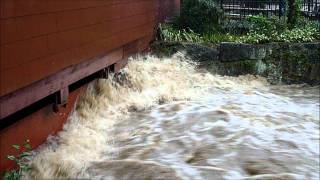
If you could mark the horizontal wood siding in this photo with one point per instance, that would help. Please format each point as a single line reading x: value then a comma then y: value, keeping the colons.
x: 42, y: 37
x: 46, y: 45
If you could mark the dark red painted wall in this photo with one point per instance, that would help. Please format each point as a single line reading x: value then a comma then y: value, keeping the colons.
x: 39, y: 38
x: 35, y: 127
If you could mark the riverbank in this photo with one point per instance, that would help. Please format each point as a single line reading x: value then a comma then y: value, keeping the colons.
x: 288, y: 63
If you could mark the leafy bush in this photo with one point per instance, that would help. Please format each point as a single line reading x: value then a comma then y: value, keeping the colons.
x: 236, y: 27
x: 219, y: 37
x: 254, y: 38
x: 264, y: 25
x: 20, y: 160
x: 294, y: 12
x: 255, y: 29
x: 303, y: 22
x: 253, y: 23
x: 168, y: 33
x: 263, y: 30
x: 307, y: 34
x: 200, y: 15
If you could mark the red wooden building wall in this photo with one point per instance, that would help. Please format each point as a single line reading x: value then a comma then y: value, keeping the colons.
x: 40, y: 38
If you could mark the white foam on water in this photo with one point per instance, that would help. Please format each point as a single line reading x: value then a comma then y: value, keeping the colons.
x: 207, y: 126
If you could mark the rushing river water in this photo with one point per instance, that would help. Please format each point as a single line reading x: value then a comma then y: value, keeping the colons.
x: 165, y: 119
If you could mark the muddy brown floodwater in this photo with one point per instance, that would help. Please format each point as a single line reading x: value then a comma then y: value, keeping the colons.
x: 165, y: 119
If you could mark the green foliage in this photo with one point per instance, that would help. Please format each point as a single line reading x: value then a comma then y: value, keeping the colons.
x: 254, y: 29
x: 20, y: 160
x: 168, y: 33
x: 294, y: 12
x: 254, y: 38
x: 200, y: 15
x: 307, y: 34
x: 303, y: 22
x: 236, y: 27
x: 219, y: 37
x: 265, y: 30
x: 265, y: 25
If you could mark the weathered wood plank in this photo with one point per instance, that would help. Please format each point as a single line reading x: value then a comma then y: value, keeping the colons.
x: 17, y: 100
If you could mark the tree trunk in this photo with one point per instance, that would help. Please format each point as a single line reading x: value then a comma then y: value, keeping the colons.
x: 292, y: 12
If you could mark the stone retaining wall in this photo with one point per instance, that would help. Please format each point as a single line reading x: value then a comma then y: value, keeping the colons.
x: 288, y: 63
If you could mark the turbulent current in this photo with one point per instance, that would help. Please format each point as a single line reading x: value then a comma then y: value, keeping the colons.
x: 167, y: 119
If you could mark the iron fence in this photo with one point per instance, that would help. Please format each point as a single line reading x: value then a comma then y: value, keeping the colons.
x: 311, y: 8
x: 243, y: 8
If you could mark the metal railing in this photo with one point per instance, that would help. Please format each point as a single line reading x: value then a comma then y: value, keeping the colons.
x: 242, y: 8
x: 311, y: 8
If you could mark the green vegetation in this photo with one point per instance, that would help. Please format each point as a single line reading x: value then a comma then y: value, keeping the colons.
x: 212, y: 38
x: 20, y: 161
x: 200, y: 15
x: 202, y: 21
x: 293, y: 14
x: 265, y: 30
x: 168, y: 33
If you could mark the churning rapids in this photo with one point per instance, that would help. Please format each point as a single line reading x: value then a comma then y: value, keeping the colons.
x: 166, y: 119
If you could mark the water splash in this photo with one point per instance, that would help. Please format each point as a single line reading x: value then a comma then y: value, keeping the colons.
x: 206, y: 126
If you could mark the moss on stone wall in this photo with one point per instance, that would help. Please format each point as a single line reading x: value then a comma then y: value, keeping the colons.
x: 279, y: 62
x: 293, y: 63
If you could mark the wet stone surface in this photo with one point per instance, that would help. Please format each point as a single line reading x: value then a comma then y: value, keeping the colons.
x: 288, y: 63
